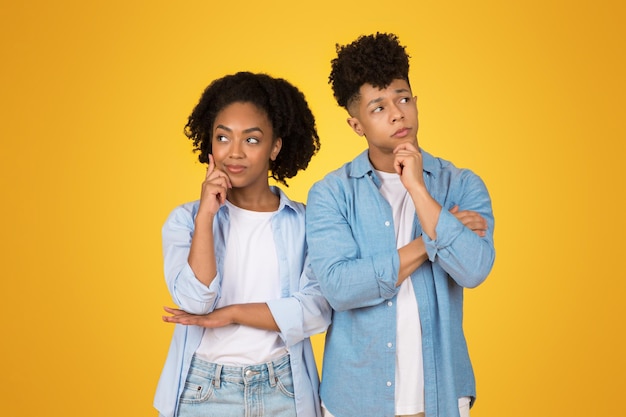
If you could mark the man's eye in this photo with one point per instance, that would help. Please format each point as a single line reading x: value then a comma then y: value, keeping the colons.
x: 377, y: 109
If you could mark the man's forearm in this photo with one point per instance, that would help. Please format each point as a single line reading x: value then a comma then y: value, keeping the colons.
x: 412, y: 256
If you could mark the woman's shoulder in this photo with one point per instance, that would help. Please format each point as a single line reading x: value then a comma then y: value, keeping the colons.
x: 286, y: 202
x: 184, y: 212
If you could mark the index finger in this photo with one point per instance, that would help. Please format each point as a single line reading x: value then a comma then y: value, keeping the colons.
x: 211, y: 166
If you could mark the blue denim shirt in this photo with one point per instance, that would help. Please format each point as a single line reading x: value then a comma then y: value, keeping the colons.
x: 300, y: 313
x: 352, y: 249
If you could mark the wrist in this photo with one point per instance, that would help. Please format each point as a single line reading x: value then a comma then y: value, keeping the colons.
x: 232, y: 313
x: 204, y: 218
x: 418, y: 190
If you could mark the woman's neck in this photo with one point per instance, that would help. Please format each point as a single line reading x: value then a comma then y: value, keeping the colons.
x: 264, y: 200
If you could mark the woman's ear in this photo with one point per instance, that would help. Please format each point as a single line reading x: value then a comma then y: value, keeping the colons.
x: 278, y: 144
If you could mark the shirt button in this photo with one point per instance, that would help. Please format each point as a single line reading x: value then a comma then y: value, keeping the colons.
x: 387, y: 223
x: 390, y: 303
x: 389, y: 344
x: 388, y: 383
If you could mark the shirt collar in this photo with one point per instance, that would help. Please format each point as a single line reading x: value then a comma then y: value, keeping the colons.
x: 284, y: 201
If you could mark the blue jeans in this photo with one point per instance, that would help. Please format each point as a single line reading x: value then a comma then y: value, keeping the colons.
x: 232, y: 391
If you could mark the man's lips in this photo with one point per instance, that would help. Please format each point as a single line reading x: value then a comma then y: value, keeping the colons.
x: 402, y: 133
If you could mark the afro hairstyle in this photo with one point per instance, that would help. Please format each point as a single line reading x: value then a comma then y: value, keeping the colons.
x: 285, y: 107
x: 371, y: 59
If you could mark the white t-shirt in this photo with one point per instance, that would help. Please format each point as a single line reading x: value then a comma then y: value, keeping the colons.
x: 409, y: 360
x: 250, y: 275
x: 409, y: 393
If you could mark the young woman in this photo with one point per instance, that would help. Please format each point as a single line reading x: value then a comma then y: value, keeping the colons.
x: 235, y: 261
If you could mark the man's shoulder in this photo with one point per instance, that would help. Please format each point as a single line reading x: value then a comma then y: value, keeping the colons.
x: 336, y: 176
x: 437, y: 165
x: 355, y: 168
x: 338, y: 185
x: 452, y: 181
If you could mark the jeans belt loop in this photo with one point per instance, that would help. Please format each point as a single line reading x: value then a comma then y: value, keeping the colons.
x: 217, y: 377
x: 270, y: 368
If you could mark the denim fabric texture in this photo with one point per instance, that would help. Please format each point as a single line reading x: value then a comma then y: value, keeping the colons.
x: 229, y: 391
x: 352, y: 249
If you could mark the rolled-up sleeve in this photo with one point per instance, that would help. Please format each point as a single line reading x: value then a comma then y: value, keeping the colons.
x: 304, y: 313
x: 465, y: 256
x: 186, y: 290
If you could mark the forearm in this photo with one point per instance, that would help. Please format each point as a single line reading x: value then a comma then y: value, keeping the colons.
x: 257, y: 315
x: 412, y: 256
x: 463, y: 254
x: 314, y: 315
x: 427, y: 210
x: 202, y: 252
x: 187, y: 291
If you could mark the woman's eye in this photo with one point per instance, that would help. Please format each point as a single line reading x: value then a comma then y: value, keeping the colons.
x: 252, y: 140
x: 221, y: 138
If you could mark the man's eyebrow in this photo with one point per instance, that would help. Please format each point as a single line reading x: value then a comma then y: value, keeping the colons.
x: 398, y: 91
x: 375, y: 101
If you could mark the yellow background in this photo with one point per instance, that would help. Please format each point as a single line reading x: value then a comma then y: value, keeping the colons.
x: 530, y: 95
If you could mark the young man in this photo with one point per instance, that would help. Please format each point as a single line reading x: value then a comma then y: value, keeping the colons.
x: 394, y: 237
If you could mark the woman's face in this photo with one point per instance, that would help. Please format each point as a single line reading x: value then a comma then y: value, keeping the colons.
x: 243, y: 144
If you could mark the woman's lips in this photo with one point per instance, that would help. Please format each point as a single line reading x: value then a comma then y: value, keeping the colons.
x: 235, y: 169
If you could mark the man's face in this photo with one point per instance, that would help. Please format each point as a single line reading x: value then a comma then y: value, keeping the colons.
x: 386, y: 117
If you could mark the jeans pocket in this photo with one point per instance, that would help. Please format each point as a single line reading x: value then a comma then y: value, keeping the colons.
x: 284, y: 382
x: 197, y: 389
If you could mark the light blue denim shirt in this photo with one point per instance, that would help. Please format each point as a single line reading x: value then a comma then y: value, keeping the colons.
x: 352, y: 249
x: 300, y: 313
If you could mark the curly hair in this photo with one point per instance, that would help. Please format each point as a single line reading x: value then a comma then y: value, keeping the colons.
x: 373, y: 59
x: 285, y: 107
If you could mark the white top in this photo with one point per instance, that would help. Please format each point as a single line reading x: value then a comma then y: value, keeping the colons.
x: 250, y: 275
x: 409, y: 391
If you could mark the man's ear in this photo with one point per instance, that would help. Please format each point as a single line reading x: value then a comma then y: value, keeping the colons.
x: 355, y: 125
x: 276, y: 147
